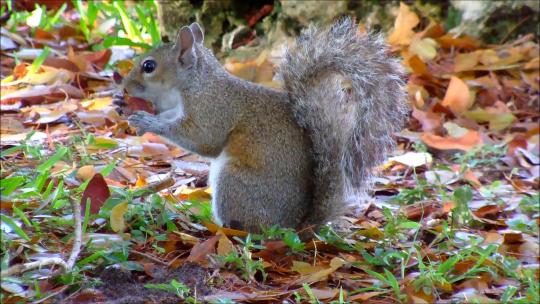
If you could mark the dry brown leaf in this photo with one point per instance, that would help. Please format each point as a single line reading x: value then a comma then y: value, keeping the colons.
x: 225, y: 246
x: 323, y: 274
x: 200, y: 251
x: 465, y: 62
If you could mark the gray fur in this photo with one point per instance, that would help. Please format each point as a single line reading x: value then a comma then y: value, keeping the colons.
x: 293, y: 158
x: 351, y: 131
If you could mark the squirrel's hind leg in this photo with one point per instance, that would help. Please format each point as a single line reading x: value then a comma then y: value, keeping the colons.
x: 245, y: 199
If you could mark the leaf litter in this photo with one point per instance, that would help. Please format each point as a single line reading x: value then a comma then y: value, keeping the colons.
x: 454, y: 216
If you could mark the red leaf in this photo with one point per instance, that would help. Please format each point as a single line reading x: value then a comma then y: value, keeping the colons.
x: 139, y: 104
x: 97, y: 191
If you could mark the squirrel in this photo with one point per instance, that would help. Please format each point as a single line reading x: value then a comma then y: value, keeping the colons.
x: 293, y: 157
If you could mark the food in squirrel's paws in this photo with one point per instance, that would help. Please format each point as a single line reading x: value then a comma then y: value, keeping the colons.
x: 127, y: 105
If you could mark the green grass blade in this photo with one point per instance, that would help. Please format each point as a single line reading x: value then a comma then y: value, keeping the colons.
x: 39, y: 60
x: 6, y: 219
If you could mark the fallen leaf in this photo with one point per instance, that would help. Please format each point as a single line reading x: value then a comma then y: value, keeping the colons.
x: 322, y: 275
x: 227, y: 231
x: 430, y: 121
x: 497, y: 119
x: 97, y: 191
x: 324, y: 294
x: 426, y: 49
x: 200, y: 251
x: 304, y: 268
x: 86, y: 172
x: 457, y: 97
x: 198, y: 194
x: 465, y: 143
x: 225, y: 246
x: 117, y: 220
x: 454, y: 129
x: 364, y: 296
x: 442, y: 177
x: 413, y: 159
x: 403, y: 26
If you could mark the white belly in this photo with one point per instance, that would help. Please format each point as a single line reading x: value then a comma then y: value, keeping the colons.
x: 216, y: 166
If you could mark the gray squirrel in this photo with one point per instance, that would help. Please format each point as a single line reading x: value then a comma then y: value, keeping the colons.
x: 293, y: 157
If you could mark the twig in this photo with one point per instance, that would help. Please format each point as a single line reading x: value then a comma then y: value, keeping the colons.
x: 150, y: 257
x: 20, y: 268
x: 77, y: 238
x: 159, y: 185
x: 52, y: 294
x: 66, y: 266
x: 514, y: 28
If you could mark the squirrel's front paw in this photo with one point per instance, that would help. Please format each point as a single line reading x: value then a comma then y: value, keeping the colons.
x: 143, y: 122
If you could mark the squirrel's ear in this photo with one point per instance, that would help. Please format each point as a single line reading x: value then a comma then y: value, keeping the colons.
x: 184, y: 46
x: 197, y: 32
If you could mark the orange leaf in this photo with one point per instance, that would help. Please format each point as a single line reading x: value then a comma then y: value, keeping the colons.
x: 227, y: 231
x: 405, y: 22
x: 417, y: 65
x: 465, y: 143
x: 458, y: 97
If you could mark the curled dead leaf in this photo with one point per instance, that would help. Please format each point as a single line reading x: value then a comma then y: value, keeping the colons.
x: 465, y: 143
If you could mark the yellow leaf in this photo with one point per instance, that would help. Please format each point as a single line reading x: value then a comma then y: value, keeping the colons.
x: 458, y: 97
x: 51, y: 116
x: 141, y: 181
x: 186, y: 238
x: 533, y: 64
x: 322, y: 275
x: 488, y: 57
x: 198, y: 194
x: 405, y: 22
x: 118, y: 223
x: 227, y: 231
x: 425, y: 48
x: 97, y: 103
x: 86, y: 172
x: 371, y: 232
x: 497, y: 120
x: 103, y: 143
x: 304, y: 268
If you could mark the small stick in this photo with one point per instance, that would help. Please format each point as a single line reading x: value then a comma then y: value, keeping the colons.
x: 20, y: 268
x: 77, y: 241
x: 150, y: 257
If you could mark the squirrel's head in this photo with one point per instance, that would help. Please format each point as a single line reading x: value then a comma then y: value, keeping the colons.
x: 166, y: 67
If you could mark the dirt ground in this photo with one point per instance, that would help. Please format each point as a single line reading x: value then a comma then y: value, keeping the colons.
x: 124, y: 287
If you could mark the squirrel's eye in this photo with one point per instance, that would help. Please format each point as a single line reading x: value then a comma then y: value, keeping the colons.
x: 149, y: 66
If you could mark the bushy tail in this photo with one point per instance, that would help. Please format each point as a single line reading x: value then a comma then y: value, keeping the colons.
x: 348, y: 93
